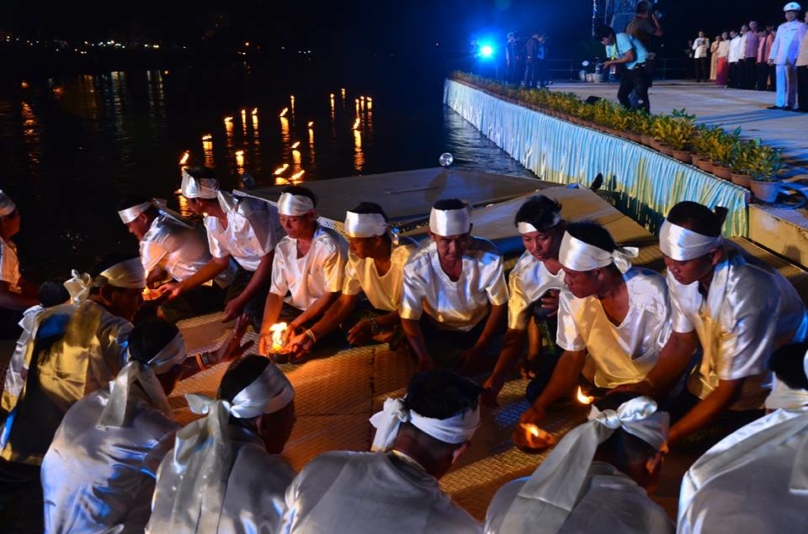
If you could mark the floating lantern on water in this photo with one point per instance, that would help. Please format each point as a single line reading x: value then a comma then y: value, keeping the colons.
x: 281, y: 170
x: 243, y: 114
x: 311, y: 124
x: 255, y: 111
x: 356, y: 123
x: 184, y: 158
x: 207, y: 137
x: 284, y: 112
x: 277, y: 331
x: 295, y: 145
x: 584, y: 399
x: 228, y: 119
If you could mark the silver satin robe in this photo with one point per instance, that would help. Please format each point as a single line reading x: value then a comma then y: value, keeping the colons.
x: 755, y: 480
x: 609, y: 503
x: 253, y: 498
x: 103, y: 477
x: 77, y: 348
x: 370, y: 493
x: 528, y: 281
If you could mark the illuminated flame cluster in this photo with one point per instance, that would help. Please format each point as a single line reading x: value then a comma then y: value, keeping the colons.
x: 277, y: 331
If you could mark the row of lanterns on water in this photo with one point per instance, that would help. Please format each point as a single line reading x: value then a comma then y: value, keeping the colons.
x: 362, y: 103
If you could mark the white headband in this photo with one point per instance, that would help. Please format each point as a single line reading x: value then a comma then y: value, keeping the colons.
x: 294, y: 205
x: 203, y: 453
x: 576, y: 255
x: 127, y: 274
x: 172, y: 354
x: 551, y: 492
x: 526, y: 227
x: 681, y: 244
x: 364, y: 224
x: 130, y: 214
x: 122, y: 396
x: 6, y: 204
x: 450, y: 222
x: 198, y: 187
x: 457, y: 429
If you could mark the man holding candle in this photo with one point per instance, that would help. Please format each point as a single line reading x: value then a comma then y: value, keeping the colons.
x: 170, y: 248
x: 394, y: 488
x: 455, y: 293
x: 534, y: 285
x: 612, y: 314
x: 243, y: 229
x: 375, y: 267
x: 307, y: 271
x: 737, y: 312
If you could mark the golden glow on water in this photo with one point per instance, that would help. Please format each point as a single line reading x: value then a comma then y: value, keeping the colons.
x: 255, y: 125
x: 343, y: 94
x: 296, y: 160
x: 240, y: 161
x: 284, y: 111
x: 359, y: 155
x: 285, y: 130
x: 292, y: 101
x: 297, y: 177
x: 185, y: 211
x: 207, y: 149
x: 281, y: 170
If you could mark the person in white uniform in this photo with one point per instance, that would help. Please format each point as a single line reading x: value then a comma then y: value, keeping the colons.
x: 239, y: 228
x: 611, y: 313
x: 756, y: 479
x: 75, y: 350
x: 375, y: 268
x: 784, y: 56
x: 455, y: 294
x: 171, y: 249
x: 225, y: 473
x: 394, y: 489
x: 738, y: 313
x: 534, y: 283
x: 307, y: 271
x: 595, y: 480
x: 99, y: 471
x: 16, y: 294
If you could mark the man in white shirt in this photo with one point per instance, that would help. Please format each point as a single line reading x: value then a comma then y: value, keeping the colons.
x: 395, y: 488
x: 455, y: 293
x: 611, y: 314
x: 735, y: 56
x: 755, y: 480
x: 701, y: 46
x: 802, y: 71
x: 534, y: 283
x: 307, y: 271
x: 16, y: 294
x: 738, y: 313
x: 225, y: 474
x: 172, y: 249
x: 596, y: 478
x: 375, y: 268
x: 244, y: 229
x: 784, y: 54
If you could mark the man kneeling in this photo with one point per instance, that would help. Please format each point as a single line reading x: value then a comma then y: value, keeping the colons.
x: 395, y: 489
x: 596, y: 478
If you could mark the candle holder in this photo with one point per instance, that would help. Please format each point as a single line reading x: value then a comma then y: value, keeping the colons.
x: 531, y: 439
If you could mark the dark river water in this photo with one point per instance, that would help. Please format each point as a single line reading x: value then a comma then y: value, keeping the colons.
x: 71, y: 146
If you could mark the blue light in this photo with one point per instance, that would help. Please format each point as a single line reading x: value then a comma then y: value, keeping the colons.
x: 486, y: 51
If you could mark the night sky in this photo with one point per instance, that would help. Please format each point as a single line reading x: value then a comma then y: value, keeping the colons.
x: 344, y: 26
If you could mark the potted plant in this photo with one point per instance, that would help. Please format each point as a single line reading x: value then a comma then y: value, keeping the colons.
x: 765, y: 183
x: 747, y: 153
x: 703, y: 137
x: 722, y: 151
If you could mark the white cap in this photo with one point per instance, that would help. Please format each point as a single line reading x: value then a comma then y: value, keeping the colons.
x: 792, y: 6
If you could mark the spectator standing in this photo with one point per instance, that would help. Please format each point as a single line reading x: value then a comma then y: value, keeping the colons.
x: 735, y: 53
x: 784, y: 56
x: 714, y: 57
x: 766, y: 38
x: 700, y: 47
x: 533, y: 48
x: 722, y: 66
x: 750, y: 56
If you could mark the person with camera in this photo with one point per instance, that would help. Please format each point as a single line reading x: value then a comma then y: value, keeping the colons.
x: 632, y: 54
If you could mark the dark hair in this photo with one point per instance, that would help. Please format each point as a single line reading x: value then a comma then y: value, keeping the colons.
x: 642, y: 7
x: 202, y: 173
x: 449, y: 204
x: 370, y: 207
x: 592, y: 234
x: 441, y: 394
x: 299, y: 190
x: 540, y: 211
x: 787, y: 364
x: 150, y: 337
x: 621, y: 447
x: 52, y: 293
x: 603, y: 31
x: 240, y: 374
x: 698, y: 218
x: 131, y: 200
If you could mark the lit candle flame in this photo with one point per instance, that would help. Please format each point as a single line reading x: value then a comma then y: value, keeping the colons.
x: 228, y: 119
x: 281, y: 181
x: 295, y: 145
x: 184, y: 158
x: 296, y: 176
x: 255, y: 111
x: 277, y: 336
x: 532, y: 430
x: 356, y: 124
x: 343, y: 93
x: 311, y: 123
x: 244, y: 114
x: 583, y: 399
x: 207, y: 137
x: 284, y: 112
x: 369, y: 99
x: 281, y: 170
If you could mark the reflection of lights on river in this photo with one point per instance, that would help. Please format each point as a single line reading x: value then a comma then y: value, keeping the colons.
x: 282, y: 169
x: 292, y: 100
x: 359, y: 155
x: 244, y: 122
x: 343, y: 94
x: 285, y: 129
x: 296, y: 159
x: 356, y: 123
x: 281, y: 181
x: 255, y: 124
x: 296, y: 177
x: 357, y: 107
x: 185, y: 211
x: 31, y: 138
x: 370, y: 103
x: 207, y: 148
x: 311, y: 138
x: 240, y: 161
